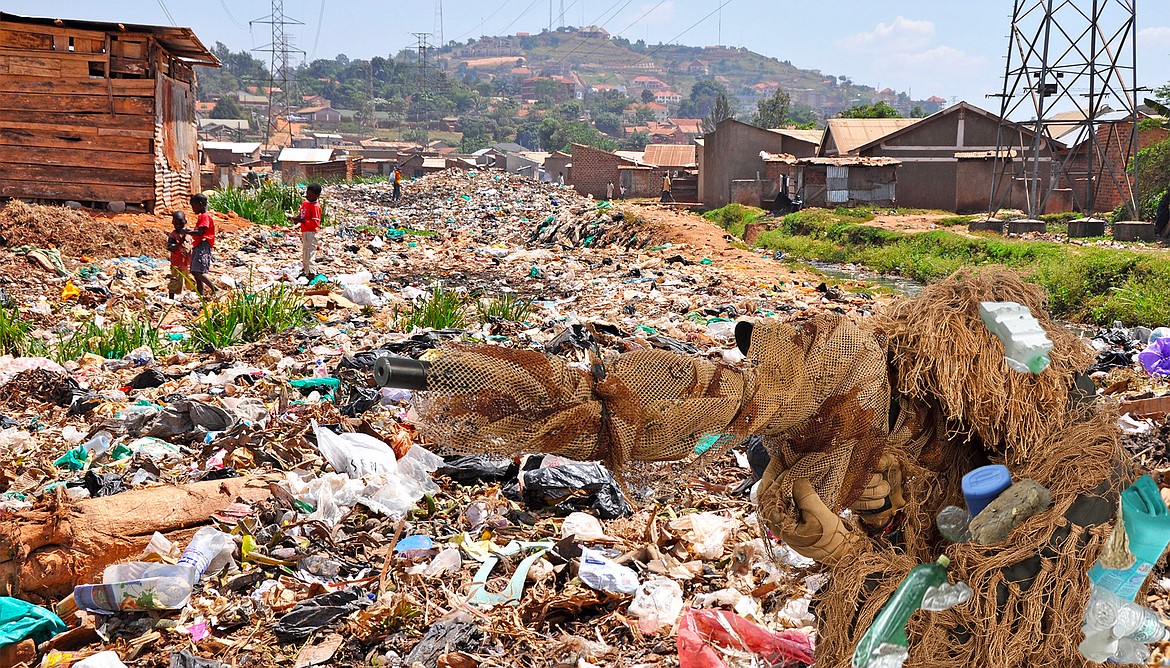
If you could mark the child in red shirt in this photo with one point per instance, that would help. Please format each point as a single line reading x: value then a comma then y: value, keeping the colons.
x: 310, y: 219
x: 202, y: 241
x: 180, y: 257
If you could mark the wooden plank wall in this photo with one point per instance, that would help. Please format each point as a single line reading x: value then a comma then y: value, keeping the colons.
x: 68, y: 130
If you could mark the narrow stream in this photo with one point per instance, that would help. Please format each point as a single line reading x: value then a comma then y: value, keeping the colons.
x: 853, y: 272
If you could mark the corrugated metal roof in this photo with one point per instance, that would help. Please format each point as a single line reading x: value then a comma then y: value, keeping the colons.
x: 235, y: 147
x: 850, y: 133
x: 831, y: 161
x: 810, y: 136
x: 181, y: 42
x: 305, y: 155
x: 670, y: 155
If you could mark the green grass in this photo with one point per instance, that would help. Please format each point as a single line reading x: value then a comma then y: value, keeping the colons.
x: 442, y: 309
x: 734, y: 217
x: 507, y: 306
x: 111, y: 340
x: 16, y: 335
x: 1084, y: 284
x: 245, y: 316
x: 266, y: 204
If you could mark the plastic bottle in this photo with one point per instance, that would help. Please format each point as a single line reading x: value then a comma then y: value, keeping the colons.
x: 99, y: 444
x: 954, y: 523
x: 981, y: 486
x: 139, y: 585
x: 1025, y: 343
x: 885, y: 644
x: 1119, y: 630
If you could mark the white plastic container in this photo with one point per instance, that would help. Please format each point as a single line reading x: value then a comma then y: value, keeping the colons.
x: 1025, y: 343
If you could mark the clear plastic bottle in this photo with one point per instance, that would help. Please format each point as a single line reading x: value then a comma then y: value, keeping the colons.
x: 954, y: 523
x: 1119, y: 630
x: 139, y: 585
x: 1025, y: 343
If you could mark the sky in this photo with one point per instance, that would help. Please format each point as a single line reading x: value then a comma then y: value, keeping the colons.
x: 947, y: 48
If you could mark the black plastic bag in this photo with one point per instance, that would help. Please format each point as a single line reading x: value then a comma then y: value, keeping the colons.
x: 103, y: 484
x: 443, y: 638
x: 148, y: 379
x: 573, y: 486
x: 318, y: 612
x: 361, y: 399
x: 186, y: 659
x: 474, y: 469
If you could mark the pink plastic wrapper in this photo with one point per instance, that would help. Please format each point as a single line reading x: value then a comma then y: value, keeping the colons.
x: 700, y: 631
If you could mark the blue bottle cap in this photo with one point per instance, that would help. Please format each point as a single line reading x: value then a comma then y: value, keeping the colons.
x: 983, y: 485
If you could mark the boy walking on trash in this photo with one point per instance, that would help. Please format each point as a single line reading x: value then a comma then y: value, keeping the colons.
x: 180, y: 256
x: 310, y: 219
x: 202, y: 241
x: 397, y: 184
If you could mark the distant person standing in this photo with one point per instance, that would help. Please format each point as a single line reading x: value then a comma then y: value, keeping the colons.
x: 397, y: 179
x: 202, y: 241
x: 251, y: 179
x: 561, y: 179
x: 622, y: 190
x: 609, y: 190
x: 310, y: 219
x: 666, y: 185
x: 180, y: 257
x: 1162, y: 218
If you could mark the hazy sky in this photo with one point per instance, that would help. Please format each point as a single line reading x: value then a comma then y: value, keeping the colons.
x: 941, y: 47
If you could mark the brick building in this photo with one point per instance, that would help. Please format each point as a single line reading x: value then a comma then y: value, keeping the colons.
x: 1114, y: 138
x: 593, y: 169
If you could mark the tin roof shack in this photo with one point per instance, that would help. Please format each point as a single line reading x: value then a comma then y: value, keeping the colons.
x: 732, y: 153
x: 230, y: 153
x: 291, y: 161
x: 824, y: 181
x: 930, y: 152
x: 98, y: 112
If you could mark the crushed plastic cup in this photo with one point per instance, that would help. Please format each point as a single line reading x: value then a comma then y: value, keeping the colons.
x: 657, y: 605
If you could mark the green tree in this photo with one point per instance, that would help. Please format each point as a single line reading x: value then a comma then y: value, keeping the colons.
x: 877, y: 110
x: 701, y: 100
x: 635, y: 141
x: 227, y: 107
x: 610, y: 101
x: 918, y: 112
x: 609, y: 123
x: 719, y: 112
x: 772, y: 112
x: 647, y: 96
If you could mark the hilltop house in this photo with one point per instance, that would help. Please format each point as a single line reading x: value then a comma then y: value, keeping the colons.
x: 99, y: 111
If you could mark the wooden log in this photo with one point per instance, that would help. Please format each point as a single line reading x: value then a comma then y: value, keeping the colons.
x: 76, y: 157
x: 76, y: 104
x: 82, y: 192
x: 76, y: 141
x: 25, y: 118
x: 46, y: 551
x: 111, y: 175
x: 132, y: 87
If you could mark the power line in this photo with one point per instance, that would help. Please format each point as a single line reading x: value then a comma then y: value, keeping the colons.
x: 489, y: 17
x: 317, y: 37
x: 167, y: 12
x: 229, y: 15
x: 522, y: 15
x: 676, y: 37
x: 583, y: 41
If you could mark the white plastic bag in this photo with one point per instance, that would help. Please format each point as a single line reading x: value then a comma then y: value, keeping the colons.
x: 603, y: 574
x: 707, y: 533
x: 657, y: 604
x: 355, y: 455
x: 101, y: 660
x: 362, y: 295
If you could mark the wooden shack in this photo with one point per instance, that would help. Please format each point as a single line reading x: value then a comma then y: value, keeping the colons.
x: 98, y: 112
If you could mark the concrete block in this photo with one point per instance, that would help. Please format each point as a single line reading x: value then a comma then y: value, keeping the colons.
x: 1086, y: 227
x: 1025, y: 225
x: 1133, y: 231
x: 115, y: 207
x: 986, y: 225
x: 73, y: 205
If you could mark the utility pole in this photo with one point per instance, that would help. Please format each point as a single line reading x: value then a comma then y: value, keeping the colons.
x: 1069, y: 56
x: 422, y: 109
x: 439, y: 22
x: 281, y: 78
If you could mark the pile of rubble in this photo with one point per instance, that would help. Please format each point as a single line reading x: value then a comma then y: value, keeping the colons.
x: 349, y: 541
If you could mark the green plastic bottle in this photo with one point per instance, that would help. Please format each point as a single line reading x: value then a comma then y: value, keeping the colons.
x: 885, y: 644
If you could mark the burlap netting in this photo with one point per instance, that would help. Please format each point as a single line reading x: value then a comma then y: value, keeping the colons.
x: 817, y: 388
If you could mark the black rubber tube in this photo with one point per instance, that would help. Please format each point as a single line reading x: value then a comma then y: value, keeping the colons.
x: 403, y: 373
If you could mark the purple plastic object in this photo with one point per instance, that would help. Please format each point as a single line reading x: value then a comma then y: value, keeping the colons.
x: 1156, y: 358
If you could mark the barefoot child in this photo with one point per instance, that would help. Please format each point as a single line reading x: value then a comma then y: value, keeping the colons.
x: 180, y: 256
x: 310, y: 219
x: 202, y: 241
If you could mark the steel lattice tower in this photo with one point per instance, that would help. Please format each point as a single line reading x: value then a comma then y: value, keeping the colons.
x: 282, y: 79
x: 1068, y: 55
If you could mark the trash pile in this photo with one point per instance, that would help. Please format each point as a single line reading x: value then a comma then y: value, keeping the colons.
x: 265, y: 502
